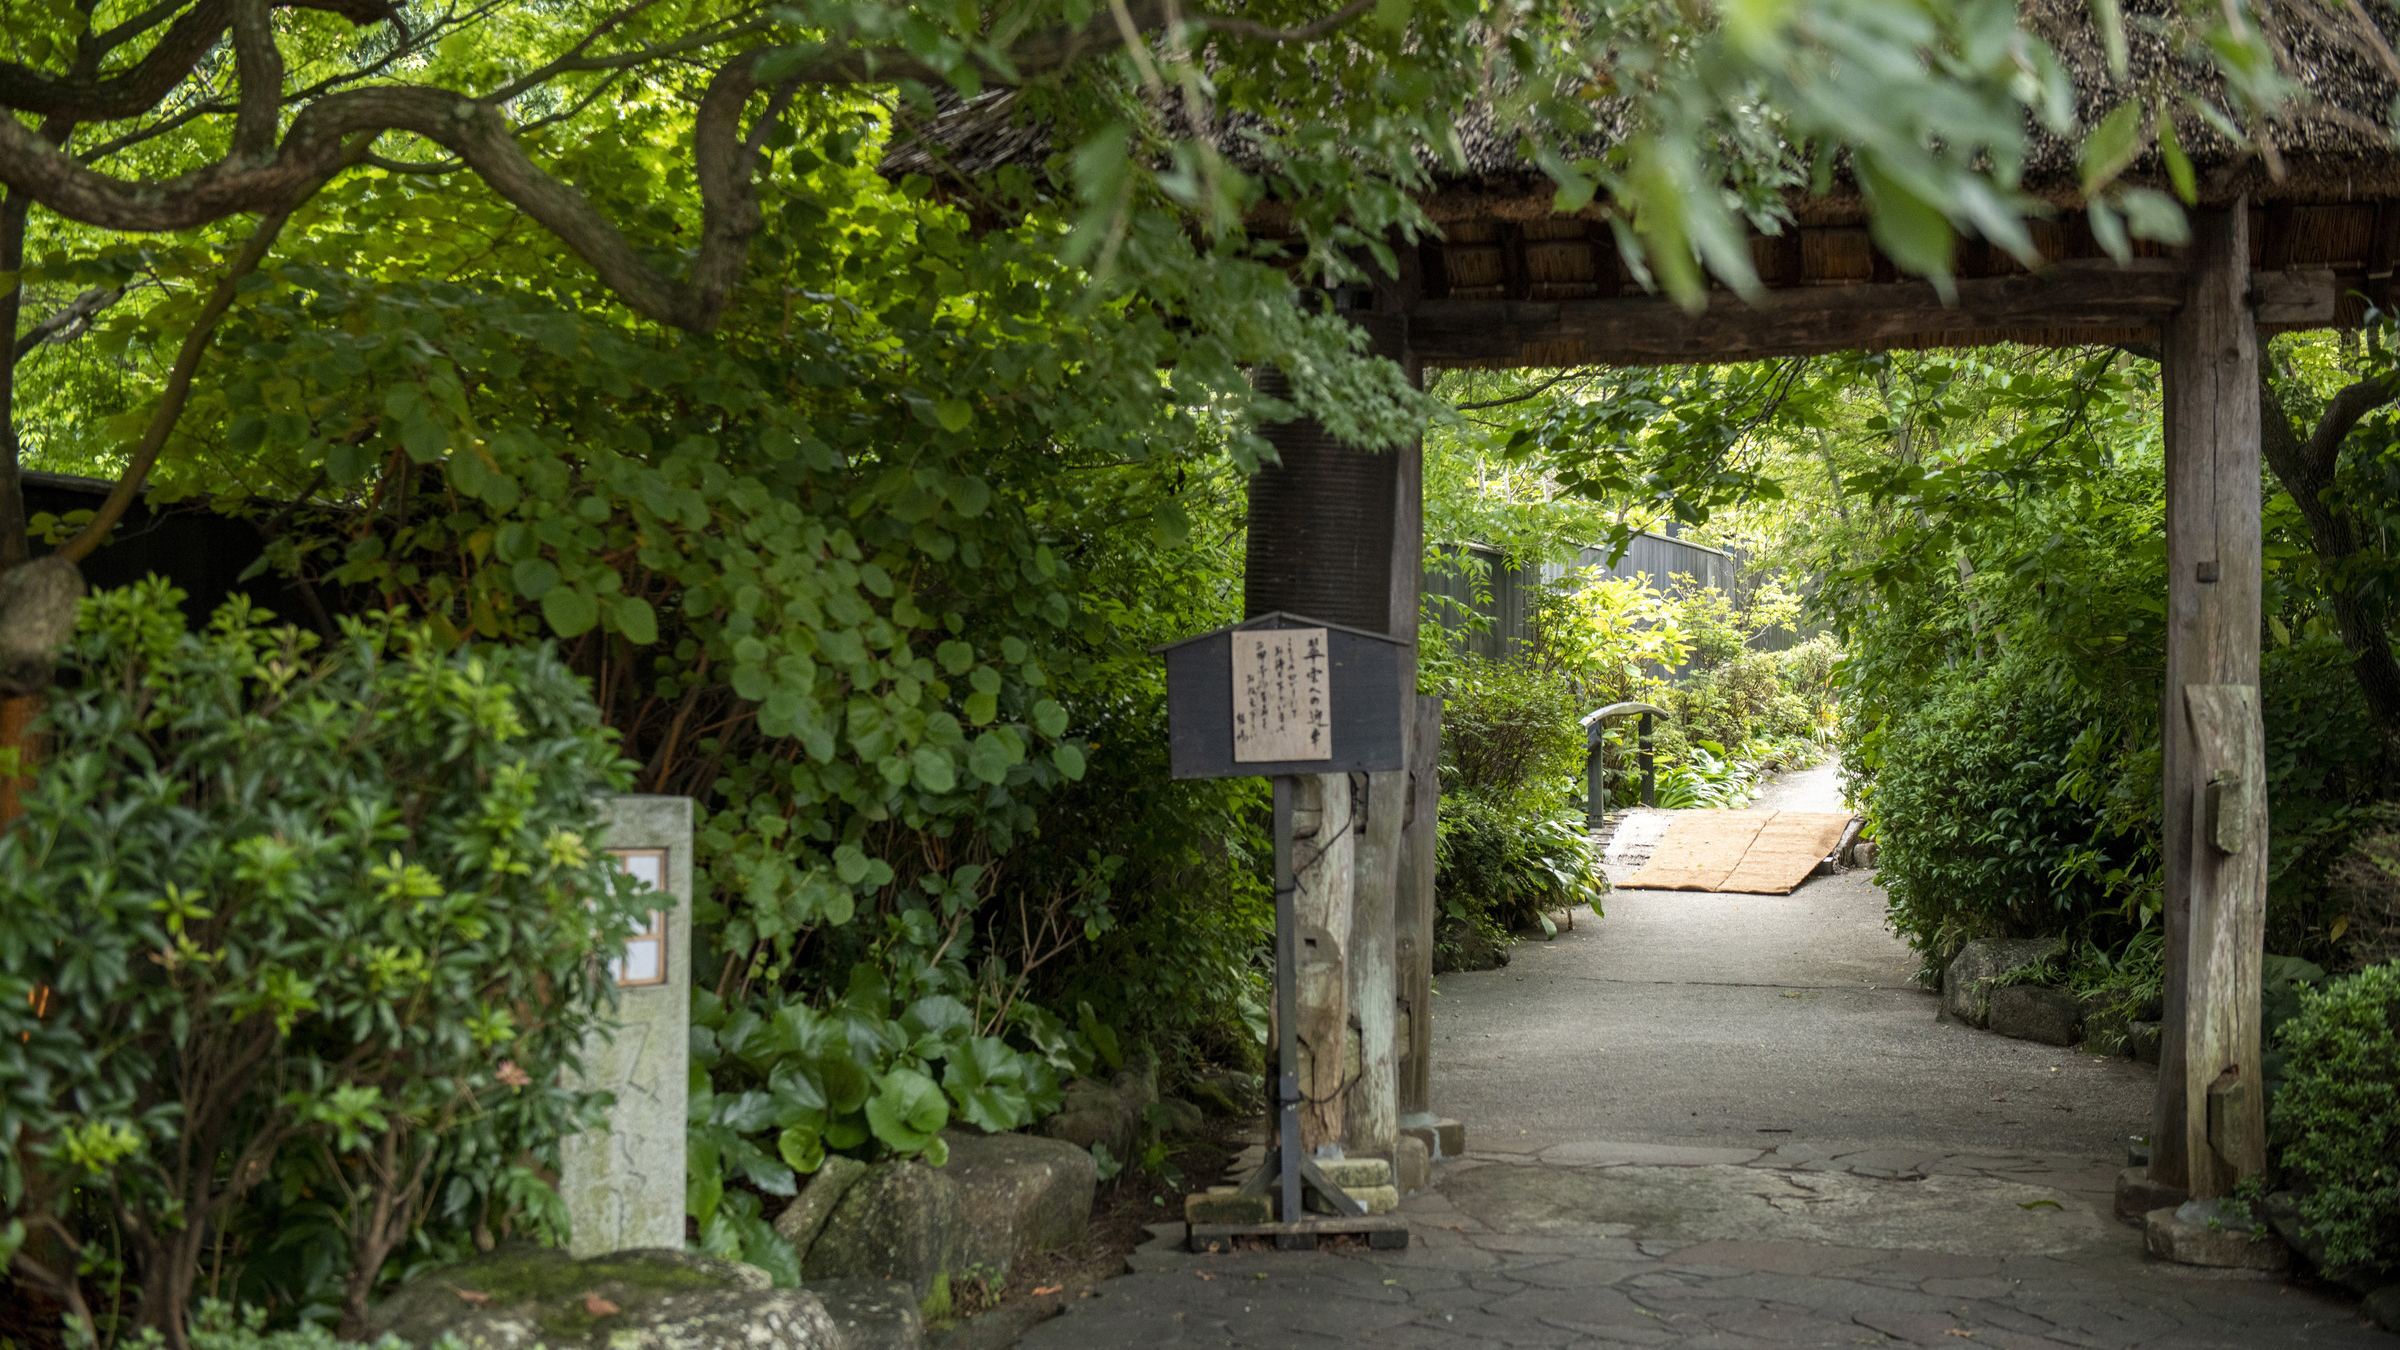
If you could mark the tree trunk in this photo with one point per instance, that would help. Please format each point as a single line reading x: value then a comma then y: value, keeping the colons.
x: 15, y: 544
x: 2307, y: 469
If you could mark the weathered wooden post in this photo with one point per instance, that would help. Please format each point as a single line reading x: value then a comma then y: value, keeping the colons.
x: 624, y: 1185
x: 1329, y: 527
x: 1412, y: 920
x: 2209, y: 1123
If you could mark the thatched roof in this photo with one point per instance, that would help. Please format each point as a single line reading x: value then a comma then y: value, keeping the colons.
x: 2335, y: 143
x: 2330, y: 200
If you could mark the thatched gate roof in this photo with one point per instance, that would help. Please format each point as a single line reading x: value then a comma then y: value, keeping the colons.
x: 2325, y: 201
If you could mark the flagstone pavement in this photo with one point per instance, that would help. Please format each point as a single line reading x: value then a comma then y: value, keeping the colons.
x: 1733, y: 1122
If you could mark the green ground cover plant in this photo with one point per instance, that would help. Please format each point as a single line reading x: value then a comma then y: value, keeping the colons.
x: 296, y: 943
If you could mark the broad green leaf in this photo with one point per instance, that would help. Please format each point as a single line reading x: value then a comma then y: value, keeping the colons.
x: 802, y: 1148
x: 570, y: 610
x: 636, y: 620
x: 534, y: 577
x: 2111, y: 146
x: 934, y: 772
x: 907, y: 1110
x: 2179, y: 165
x: 1049, y: 718
x: 1068, y: 756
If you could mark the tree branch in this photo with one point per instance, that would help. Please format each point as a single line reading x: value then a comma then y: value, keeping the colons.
x: 258, y: 67
x: 132, y: 92
x: 178, y: 391
x: 335, y: 130
x: 1539, y: 389
x: 68, y: 322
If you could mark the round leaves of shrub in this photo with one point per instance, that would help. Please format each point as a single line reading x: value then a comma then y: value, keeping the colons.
x: 2336, y: 1120
x: 282, y: 924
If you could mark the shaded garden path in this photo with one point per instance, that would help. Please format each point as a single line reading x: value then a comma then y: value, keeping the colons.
x: 1731, y: 1121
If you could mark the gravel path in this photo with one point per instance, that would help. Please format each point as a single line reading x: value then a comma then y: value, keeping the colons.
x: 1731, y: 1121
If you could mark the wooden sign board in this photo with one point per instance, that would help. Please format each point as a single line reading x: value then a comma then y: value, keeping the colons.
x: 1283, y: 694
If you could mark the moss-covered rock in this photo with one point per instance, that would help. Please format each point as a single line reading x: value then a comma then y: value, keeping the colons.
x: 898, y: 1222
x: 1018, y: 1194
x: 648, y: 1299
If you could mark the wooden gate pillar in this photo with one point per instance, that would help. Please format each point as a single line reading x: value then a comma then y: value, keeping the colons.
x: 2215, y: 807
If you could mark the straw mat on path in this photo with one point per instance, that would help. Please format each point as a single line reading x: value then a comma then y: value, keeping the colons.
x: 1756, y: 852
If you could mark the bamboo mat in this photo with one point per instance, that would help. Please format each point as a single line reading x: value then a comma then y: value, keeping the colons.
x: 1755, y: 852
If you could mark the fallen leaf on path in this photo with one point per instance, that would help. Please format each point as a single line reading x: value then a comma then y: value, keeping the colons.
x: 1204, y: 1274
x: 599, y: 1307
x: 1954, y: 1331
x: 474, y: 1296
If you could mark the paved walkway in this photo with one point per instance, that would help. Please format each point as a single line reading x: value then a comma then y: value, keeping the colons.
x: 1730, y: 1121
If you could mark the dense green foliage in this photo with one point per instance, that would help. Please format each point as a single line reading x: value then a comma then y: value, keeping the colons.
x: 295, y: 945
x: 1511, y: 848
x: 2335, y: 1123
x: 855, y: 498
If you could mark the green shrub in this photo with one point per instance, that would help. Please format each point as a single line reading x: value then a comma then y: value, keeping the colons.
x: 1509, y: 728
x: 294, y: 950
x: 1985, y: 819
x: 1511, y: 846
x: 2335, y: 1123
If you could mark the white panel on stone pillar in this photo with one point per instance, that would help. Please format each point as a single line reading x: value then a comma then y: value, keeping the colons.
x: 624, y: 1185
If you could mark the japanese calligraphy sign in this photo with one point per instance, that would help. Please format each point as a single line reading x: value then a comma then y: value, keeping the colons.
x: 1280, y: 688
x: 1285, y: 694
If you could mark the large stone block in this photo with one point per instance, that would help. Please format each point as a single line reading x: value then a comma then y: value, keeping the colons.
x: 2030, y: 1012
x: 1412, y: 1164
x: 634, y: 1300
x: 1968, y: 980
x: 805, y: 1217
x: 1443, y: 1138
x: 901, y: 1221
x: 2384, y: 1307
x: 1349, y: 1173
x: 1108, y: 1114
x: 872, y: 1314
x: 2137, y: 1195
x: 1018, y: 1195
x: 1226, y: 1204
x: 2204, y: 1233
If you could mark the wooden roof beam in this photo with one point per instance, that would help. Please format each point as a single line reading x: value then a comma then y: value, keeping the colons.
x: 1799, y: 321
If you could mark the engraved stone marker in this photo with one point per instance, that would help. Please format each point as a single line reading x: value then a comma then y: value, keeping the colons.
x: 624, y: 1184
x: 1279, y: 693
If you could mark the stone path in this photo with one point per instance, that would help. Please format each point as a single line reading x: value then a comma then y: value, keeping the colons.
x: 1732, y: 1122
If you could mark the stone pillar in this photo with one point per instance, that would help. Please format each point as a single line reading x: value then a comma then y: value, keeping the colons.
x: 623, y: 1185
x: 2210, y: 1038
